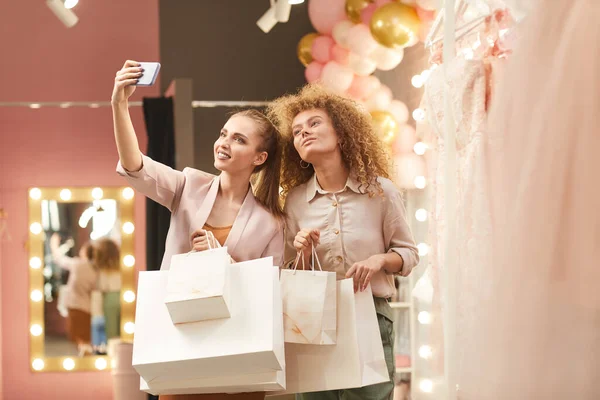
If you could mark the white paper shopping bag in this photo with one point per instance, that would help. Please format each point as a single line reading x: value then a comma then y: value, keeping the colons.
x: 262, y: 382
x: 309, y: 304
x: 357, y: 359
x: 198, y: 286
x: 250, y: 341
x: 253, y: 382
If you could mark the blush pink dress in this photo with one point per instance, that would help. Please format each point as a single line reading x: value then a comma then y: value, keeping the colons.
x: 537, y: 334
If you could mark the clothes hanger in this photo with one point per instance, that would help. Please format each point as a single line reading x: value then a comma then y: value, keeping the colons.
x: 460, y: 7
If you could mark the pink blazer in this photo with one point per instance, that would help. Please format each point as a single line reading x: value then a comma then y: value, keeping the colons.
x: 190, y: 196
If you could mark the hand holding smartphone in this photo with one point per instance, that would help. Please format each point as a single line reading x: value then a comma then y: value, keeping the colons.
x: 150, y: 73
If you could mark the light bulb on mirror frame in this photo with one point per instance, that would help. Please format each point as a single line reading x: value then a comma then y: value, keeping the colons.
x: 36, y: 296
x: 35, y: 193
x: 128, y: 228
x: 68, y: 364
x: 129, y: 260
x: 37, y: 364
x: 97, y: 193
x: 129, y: 296
x: 128, y: 193
x: 129, y: 327
x: 36, y: 330
x: 35, y: 228
x: 100, y: 364
x: 65, y: 195
x: 35, y: 262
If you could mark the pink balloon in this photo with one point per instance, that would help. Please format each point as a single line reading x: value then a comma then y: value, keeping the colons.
x: 425, y: 15
x: 367, y: 13
x: 363, y: 86
x: 399, y: 110
x: 340, y: 54
x: 313, y: 72
x: 324, y: 14
x: 336, y: 77
x: 405, y: 140
x: 380, y: 99
x: 424, y: 30
x: 407, y: 167
x: 360, y: 41
x: 321, y: 49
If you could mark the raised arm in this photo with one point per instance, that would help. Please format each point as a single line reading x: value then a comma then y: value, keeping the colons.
x: 127, y: 143
x: 62, y: 260
x: 153, y: 179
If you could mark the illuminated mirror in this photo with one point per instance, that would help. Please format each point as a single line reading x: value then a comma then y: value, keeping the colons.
x: 81, y: 263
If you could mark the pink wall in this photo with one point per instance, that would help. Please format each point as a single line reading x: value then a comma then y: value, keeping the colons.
x: 44, y: 61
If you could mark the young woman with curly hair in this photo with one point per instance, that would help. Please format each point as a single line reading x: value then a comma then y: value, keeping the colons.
x: 340, y: 199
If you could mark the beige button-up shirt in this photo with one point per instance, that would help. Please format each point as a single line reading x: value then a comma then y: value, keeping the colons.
x: 353, y: 226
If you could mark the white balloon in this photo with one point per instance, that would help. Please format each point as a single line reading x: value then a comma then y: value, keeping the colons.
x: 362, y: 66
x: 336, y: 77
x: 360, y: 40
x: 414, y: 39
x: 387, y: 59
x: 380, y: 100
x: 399, y: 110
x: 340, y: 32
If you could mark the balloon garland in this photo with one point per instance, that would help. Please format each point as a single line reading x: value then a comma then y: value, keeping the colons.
x: 353, y: 39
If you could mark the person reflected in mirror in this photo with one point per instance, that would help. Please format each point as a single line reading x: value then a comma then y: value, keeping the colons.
x: 107, y: 262
x: 81, y: 283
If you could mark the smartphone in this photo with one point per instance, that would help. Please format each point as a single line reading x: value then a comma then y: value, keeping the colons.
x: 150, y: 73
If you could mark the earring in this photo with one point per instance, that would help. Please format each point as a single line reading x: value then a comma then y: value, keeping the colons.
x: 302, y: 166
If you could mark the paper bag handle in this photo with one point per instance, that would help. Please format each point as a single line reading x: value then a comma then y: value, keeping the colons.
x: 313, y: 256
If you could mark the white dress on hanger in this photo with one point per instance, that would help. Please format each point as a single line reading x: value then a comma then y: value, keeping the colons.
x: 469, y: 83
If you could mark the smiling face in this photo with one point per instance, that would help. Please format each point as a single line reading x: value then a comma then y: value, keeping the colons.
x: 238, y: 147
x: 314, y: 135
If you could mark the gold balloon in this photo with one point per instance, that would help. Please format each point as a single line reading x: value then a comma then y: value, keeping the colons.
x: 385, y: 125
x: 304, y: 48
x: 394, y: 24
x: 355, y: 7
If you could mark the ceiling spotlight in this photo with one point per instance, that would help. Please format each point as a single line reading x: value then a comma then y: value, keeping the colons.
x: 267, y: 21
x: 66, y: 16
x: 278, y: 12
x: 70, y: 4
x: 282, y: 10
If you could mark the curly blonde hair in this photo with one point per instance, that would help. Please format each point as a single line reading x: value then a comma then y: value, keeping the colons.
x: 363, y: 152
